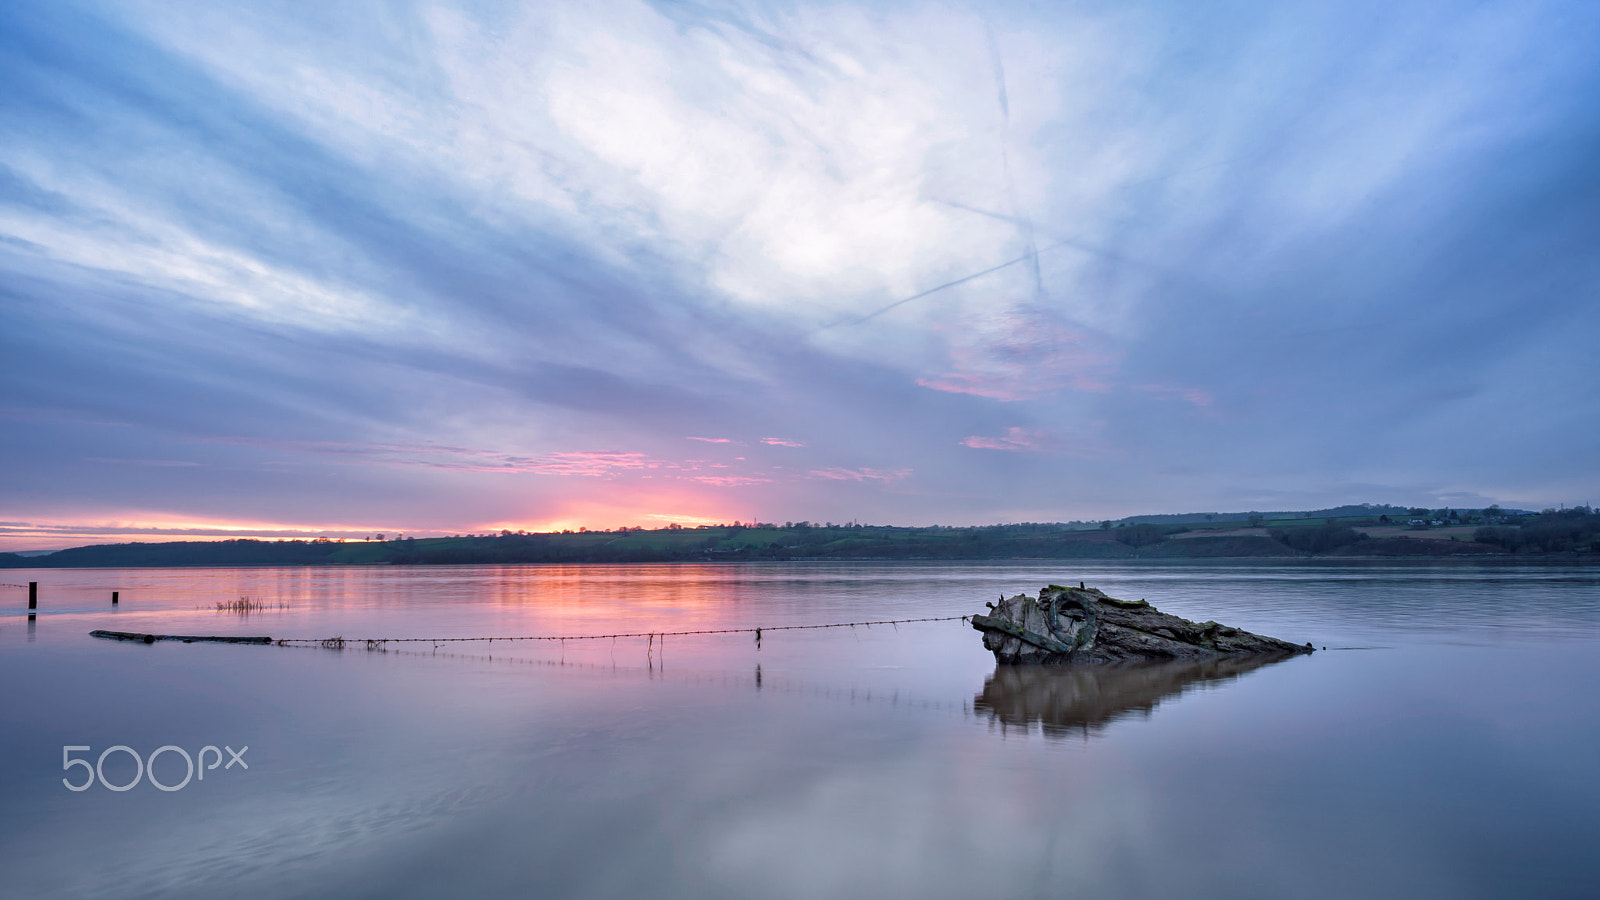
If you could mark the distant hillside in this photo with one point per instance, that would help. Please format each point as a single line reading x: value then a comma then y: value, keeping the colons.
x: 1352, y: 531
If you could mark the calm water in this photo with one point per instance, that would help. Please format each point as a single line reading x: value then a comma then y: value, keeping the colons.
x: 1450, y: 751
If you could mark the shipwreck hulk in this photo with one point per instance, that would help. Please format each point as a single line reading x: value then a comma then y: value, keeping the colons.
x: 1083, y: 625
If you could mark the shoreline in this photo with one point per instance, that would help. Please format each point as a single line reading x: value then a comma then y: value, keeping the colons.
x: 1564, y: 558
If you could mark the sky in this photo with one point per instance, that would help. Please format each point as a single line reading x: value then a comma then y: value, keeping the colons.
x: 281, y: 269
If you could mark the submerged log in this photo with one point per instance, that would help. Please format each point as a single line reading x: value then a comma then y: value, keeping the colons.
x: 1083, y: 625
x: 185, y: 638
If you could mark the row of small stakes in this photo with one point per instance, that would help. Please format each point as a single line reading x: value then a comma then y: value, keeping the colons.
x: 337, y: 643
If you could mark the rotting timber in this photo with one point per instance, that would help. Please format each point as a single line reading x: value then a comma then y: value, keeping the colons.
x: 142, y: 638
x: 1083, y: 625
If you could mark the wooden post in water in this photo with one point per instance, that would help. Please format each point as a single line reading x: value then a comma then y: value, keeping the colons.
x: 33, y: 595
x: 113, y: 598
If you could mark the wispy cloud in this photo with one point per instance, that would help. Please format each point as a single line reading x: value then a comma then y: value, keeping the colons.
x: 863, y: 474
x: 586, y: 464
x: 730, y: 480
x: 1193, y: 396
x: 1014, y: 439
x: 1024, y: 355
x: 160, y: 463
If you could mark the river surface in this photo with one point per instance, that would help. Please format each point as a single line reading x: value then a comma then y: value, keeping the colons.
x: 1447, y: 743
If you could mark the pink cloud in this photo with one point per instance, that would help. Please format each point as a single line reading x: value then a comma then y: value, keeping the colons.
x: 1029, y: 357
x: 710, y: 440
x: 582, y: 463
x: 730, y: 480
x: 993, y: 387
x: 1007, y: 387
x: 1191, y: 395
x: 165, y: 463
x: 1014, y: 439
x: 838, y: 474
x: 780, y: 442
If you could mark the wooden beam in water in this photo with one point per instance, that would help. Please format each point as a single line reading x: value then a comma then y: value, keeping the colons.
x: 185, y: 638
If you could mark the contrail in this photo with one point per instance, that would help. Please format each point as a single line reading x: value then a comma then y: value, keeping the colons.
x: 1030, y: 255
x: 1023, y: 224
x: 1063, y: 242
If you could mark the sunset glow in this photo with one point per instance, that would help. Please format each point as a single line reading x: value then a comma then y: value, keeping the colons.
x: 54, y: 535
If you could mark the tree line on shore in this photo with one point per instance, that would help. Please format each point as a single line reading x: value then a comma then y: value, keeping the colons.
x: 1576, y: 529
x: 1552, y: 531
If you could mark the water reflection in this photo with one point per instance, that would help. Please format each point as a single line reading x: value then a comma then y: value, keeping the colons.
x: 825, y: 763
x: 1083, y: 700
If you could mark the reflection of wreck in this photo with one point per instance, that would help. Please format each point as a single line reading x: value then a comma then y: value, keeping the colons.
x: 1072, y: 700
x: 1083, y: 625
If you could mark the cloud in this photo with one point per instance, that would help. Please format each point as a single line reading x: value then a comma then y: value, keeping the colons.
x: 1025, y: 354
x: 863, y: 474
x: 586, y: 464
x: 1014, y: 439
x: 779, y: 442
x: 141, y: 462
x: 1197, y: 397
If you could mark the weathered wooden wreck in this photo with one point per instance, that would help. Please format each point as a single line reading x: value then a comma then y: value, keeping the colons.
x: 1083, y: 625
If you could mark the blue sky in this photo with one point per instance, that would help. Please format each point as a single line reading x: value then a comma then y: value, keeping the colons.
x: 271, y: 268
